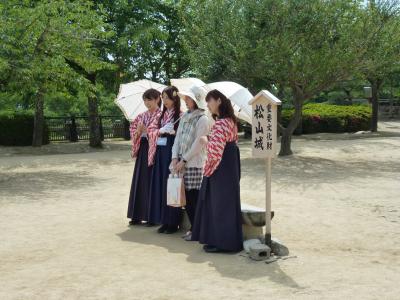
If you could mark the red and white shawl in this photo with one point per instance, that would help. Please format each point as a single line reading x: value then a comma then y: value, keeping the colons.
x: 168, y: 117
x: 223, y: 131
x: 150, y: 120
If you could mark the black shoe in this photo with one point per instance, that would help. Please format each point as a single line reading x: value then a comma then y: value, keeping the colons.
x: 171, y: 229
x: 150, y: 224
x: 134, y: 222
x: 211, y: 249
x: 162, y: 229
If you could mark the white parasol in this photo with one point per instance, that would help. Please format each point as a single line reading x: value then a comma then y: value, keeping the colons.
x: 184, y: 84
x: 239, y: 96
x: 130, y: 100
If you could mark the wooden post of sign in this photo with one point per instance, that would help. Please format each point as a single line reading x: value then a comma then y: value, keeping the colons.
x: 264, y: 139
x: 268, y: 202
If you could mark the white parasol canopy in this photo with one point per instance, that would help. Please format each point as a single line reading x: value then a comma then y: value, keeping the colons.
x: 130, y: 100
x: 184, y: 84
x: 239, y: 96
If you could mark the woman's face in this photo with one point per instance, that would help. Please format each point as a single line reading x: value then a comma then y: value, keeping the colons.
x: 213, y: 105
x: 168, y: 103
x: 151, y: 104
x: 190, y: 104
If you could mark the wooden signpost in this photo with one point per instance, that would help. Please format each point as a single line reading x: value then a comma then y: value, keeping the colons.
x: 264, y: 142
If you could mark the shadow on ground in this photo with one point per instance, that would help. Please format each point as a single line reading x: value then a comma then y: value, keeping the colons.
x: 228, y: 265
x: 291, y: 171
x: 34, y: 185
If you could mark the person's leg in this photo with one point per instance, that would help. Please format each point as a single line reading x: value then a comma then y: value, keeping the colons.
x: 175, y: 218
x: 191, y: 203
x: 162, y: 228
x: 134, y: 222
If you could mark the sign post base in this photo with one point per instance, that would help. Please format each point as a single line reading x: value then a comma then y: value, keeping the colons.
x: 268, y: 240
x: 268, y: 202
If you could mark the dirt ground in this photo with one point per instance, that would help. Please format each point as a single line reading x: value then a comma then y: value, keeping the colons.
x: 64, y: 235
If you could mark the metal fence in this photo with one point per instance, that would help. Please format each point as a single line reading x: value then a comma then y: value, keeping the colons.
x: 78, y: 128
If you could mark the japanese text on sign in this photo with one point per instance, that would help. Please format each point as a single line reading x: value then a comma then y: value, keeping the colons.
x: 263, y: 129
x: 259, y: 142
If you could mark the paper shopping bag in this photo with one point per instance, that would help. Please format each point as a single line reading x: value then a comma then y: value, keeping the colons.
x: 176, y: 191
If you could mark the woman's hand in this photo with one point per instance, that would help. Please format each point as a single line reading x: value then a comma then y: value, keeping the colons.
x: 180, y: 166
x: 174, y: 162
x: 144, y: 129
x: 139, y: 129
x: 204, y: 140
x: 167, y: 128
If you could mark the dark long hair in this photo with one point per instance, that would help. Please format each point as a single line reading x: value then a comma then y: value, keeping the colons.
x: 172, y: 93
x: 152, y: 94
x: 225, y: 108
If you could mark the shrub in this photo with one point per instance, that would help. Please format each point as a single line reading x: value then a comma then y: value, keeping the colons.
x: 319, y: 117
x: 16, y: 129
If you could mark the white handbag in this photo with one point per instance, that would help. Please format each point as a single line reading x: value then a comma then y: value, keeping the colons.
x: 176, y: 191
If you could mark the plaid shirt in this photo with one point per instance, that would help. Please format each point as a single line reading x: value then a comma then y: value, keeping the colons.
x: 193, y: 178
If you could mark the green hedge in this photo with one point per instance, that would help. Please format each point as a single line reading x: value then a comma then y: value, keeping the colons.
x: 16, y: 129
x: 319, y: 117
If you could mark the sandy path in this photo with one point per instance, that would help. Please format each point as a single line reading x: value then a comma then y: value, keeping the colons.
x: 63, y: 234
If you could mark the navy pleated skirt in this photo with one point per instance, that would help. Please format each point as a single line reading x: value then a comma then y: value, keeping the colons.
x: 140, y: 189
x: 159, y: 212
x: 218, y: 220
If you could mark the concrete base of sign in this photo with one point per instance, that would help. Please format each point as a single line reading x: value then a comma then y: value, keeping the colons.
x: 277, y: 247
x: 251, y: 232
x: 253, y: 215
x: 253, y: 220
x: 259, y: 252
x: 248, y: 243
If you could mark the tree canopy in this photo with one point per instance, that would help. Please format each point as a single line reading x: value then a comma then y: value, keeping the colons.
x: 69, y: 57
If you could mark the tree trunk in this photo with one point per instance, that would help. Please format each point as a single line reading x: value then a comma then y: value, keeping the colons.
x: 286, y: 142
x: 375, y: 85
x: 348, y: 96
x: 299, y: 128
x: 94, y: 122
x: 38, y: 123
x: 279, y: 120
x: 286, y: 139
x: 391, y: 99
x: 281, y: 95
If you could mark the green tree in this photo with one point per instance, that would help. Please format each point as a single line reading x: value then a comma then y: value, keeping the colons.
x: 147, y: 42
x: 219, y: 42
x: 304, y: 45
x: 39, y: 39
x: 382, y: 57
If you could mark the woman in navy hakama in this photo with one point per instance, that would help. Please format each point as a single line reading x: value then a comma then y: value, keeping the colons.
x: 144, y: 151
x: 218, y: 222
x: 159, y: 212
x: 139, y: 195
